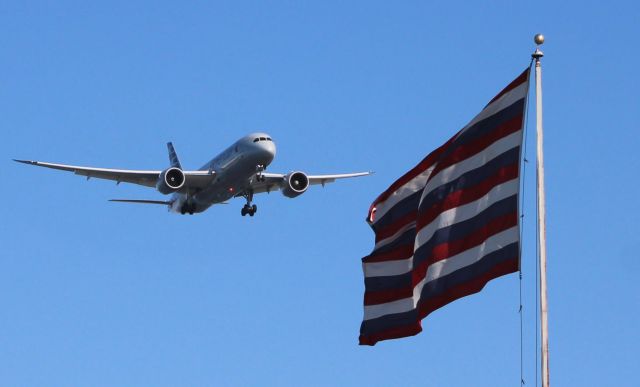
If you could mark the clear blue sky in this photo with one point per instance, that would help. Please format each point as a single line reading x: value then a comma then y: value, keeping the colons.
x: 94, y: 293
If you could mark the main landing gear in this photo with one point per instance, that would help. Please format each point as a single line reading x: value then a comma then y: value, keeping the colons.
x: 249, y: 208
x: 188, y: 207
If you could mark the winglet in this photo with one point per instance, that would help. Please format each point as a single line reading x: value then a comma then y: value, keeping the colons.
x: 173, y: 156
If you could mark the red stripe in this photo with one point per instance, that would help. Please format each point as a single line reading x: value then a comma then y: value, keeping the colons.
x: 478, y: 145
x: 467, y: 195
x: 522, y: 78
x: 395, y: 254
x: 426, y: 306
x: 393, y: 333
x: 440, y: 252
x: 382, y: 297
x: 451, y: 248
x: 394, y: 227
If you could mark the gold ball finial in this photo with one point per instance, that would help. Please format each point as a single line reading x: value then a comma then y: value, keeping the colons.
x: 539, y: 39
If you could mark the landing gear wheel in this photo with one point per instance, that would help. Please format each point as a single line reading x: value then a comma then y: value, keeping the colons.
x: 188, y: 208
x: 249, y: 208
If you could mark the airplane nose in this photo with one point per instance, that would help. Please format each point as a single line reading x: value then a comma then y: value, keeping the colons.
x: 270, y: 150
x: 266, y: 151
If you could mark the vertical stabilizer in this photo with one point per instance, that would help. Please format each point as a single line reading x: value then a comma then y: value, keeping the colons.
x: 173, y: 156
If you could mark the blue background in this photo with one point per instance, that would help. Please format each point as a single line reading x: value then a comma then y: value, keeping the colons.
x: 94, y: 293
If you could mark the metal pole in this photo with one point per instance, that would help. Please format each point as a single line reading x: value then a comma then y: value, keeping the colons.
x: 544, y: 335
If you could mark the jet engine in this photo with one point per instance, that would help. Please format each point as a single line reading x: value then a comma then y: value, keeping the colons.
x: 296, y: 183
x: 170, y: 180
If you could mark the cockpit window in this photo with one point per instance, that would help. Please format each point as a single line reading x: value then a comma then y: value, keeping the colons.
x: 262, y: 139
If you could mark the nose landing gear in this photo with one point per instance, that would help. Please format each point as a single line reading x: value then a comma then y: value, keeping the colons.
x: 259, y: 169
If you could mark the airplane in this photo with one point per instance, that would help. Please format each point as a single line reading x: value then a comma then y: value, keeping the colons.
x: 239, y: 171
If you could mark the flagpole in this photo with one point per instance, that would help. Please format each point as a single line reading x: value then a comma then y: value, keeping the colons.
x: 542, y: 232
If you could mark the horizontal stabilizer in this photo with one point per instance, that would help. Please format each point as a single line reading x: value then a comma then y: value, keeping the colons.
x: 141, y: 201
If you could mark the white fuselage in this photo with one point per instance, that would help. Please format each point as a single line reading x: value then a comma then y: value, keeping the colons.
x: 235, y: 168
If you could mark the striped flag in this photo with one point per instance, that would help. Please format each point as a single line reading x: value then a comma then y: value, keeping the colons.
x: 449, y: 225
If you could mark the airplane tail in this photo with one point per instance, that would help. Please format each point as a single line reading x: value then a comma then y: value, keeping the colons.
x: 173, y: 156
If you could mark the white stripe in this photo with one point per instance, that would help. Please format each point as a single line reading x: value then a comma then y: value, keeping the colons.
x: 501, y: 103
x: 398, y: 306
x: 387, y: 268
x: 445, y: 219
x: 441, y: 269
x: 476, y: 161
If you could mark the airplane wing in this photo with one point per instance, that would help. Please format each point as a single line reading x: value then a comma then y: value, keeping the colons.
x: 275, y: 181
x: 193, y: 179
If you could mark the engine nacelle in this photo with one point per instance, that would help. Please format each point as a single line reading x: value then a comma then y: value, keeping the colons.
x: 170, y: 180
x: 296, y: 183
